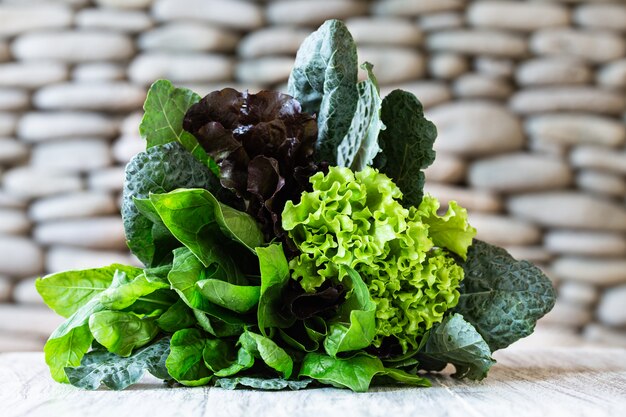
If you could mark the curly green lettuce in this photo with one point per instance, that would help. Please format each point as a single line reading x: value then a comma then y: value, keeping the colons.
x: 404, y: 255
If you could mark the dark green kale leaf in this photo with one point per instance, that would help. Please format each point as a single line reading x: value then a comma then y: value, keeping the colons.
x: 406, y: 143
x: 160, y: 169
x: 102, y: 367
x: 270, y: 384
x: 501, y: 297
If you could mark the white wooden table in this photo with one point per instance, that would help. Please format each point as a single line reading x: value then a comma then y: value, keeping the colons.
x: 526, y: 382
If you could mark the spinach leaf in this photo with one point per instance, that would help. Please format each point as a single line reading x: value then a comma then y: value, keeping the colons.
x: 270, y: 384
x: 120, y: 332
x: 126, y: 291
x: 219, y: 356
x: 274, y: 279
x: 355, y: 373
x: 179, y: 316
x: 456, y: 341
x: 66, y: 348
x: 158, y: 170
x: 501, y: 297
x: 65, y: 292
x: 323, y: 80
x: 102, y: 367
x: 264, y: 348
x: 359, y: 146
x: 185, y: 363
x: 355, y: 326
x: 238, y: 298
x: 406, y: 143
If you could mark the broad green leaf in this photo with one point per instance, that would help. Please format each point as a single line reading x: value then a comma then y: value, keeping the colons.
x: 355, y: 373
x: 406, y: 378
x: 501, y: 297
x: 185, y: 363
x: 197, y: 220
x: 456, y: 341
x: 121, y: 333
x: 179, y: 316
x: 158, y: 170
x: 323, y: 80
x: 238, y: 298
x: 128, y: 291
x: 355, y: 326
x: 65, y: 292
x: 406, y: 143
x: 269, y: 384
x: 273, y: 355
x: 67, y: 349
x: 102, y: 367
x: 274, y: 278
x: 223, y: 359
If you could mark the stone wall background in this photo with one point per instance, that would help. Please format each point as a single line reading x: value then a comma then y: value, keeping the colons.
x: 529, y: 98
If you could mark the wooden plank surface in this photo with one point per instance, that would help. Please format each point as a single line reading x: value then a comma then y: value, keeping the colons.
x: 525, y: 382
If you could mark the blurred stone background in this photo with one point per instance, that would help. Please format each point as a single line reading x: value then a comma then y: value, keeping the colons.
x: 529, y: 98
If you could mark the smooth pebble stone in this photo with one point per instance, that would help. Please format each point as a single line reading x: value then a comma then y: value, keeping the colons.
x: 529, y: 253
x: 595, y: 271
x: 116, y: 20
x: 440, y: 21
x: 477, y: 200
x: 384, y: 31
x: 32, y: 74
x: 28, y: 322
x: 514, y: 15
x: 447, y: 66
x: 474, y: 128
x: 271, y: 41
x: 604, y: 336
x: 312, y: 13
x: 108, y: 179
x: 481, y: 86
x: 265, y: 70
x: 447, y: 169
x: 98, y: 71
x: 494, y: 67
x: 13, y: 222
x: 40, y: 126
x: 478, y: 42
x: 613, y: 74
x: 72, y: 155
x: 576, y: 242
x: 20, y: 342
x: 519, y: 172
x: 569, y: 209
x: 8, y: 200
x: 33, y: 182
x: 429, y: 93
x: 393, y: 65
x: 12, y: 151
x: 568, y: 314
x: 602, y: 183
x: 128, y: 146
x: 125, y: 4
x: 13, y: 99
x: 230, y: 13
x: 69, y: 206
x: 601, y: 16
x: 553, y: 99
x: 412, y: 8
x: 38, y: 2
x: 8, y: 123
x: 550, y: 335
x: 504, y: 230
x: 61, y: 258
x: 94, y: 233
x: 574, y: 129
x: 595, y: 46
x: 130, y: 124
x: 21, y: 257
x: 5, y: 52
x: 25, y: 292
x: 6, y: 288
x: 187, y: 36
x: 611, y: 309
x: 600, y: 158
x: 546, y: 71
x: 16, y: 19
x: 146, y: 68
x: 108, y: 96
x: 538, y: 145
x: 578, y: 293
x: 75, y: 46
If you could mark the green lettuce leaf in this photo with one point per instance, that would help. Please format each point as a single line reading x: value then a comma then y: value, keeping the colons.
x: 456, y: 341
x: 501, y: 297
x: 406, y: 143
x: 120, y: 332
x: 177, y: 317
x: 223, y: 359
x: 102, y: 367
x: 238, y: 298
x: 274, y: 278
x: 185, y: 363
x: 264, y: 348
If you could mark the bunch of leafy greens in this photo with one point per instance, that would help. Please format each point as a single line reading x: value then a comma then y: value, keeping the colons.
x: 370, y: 286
